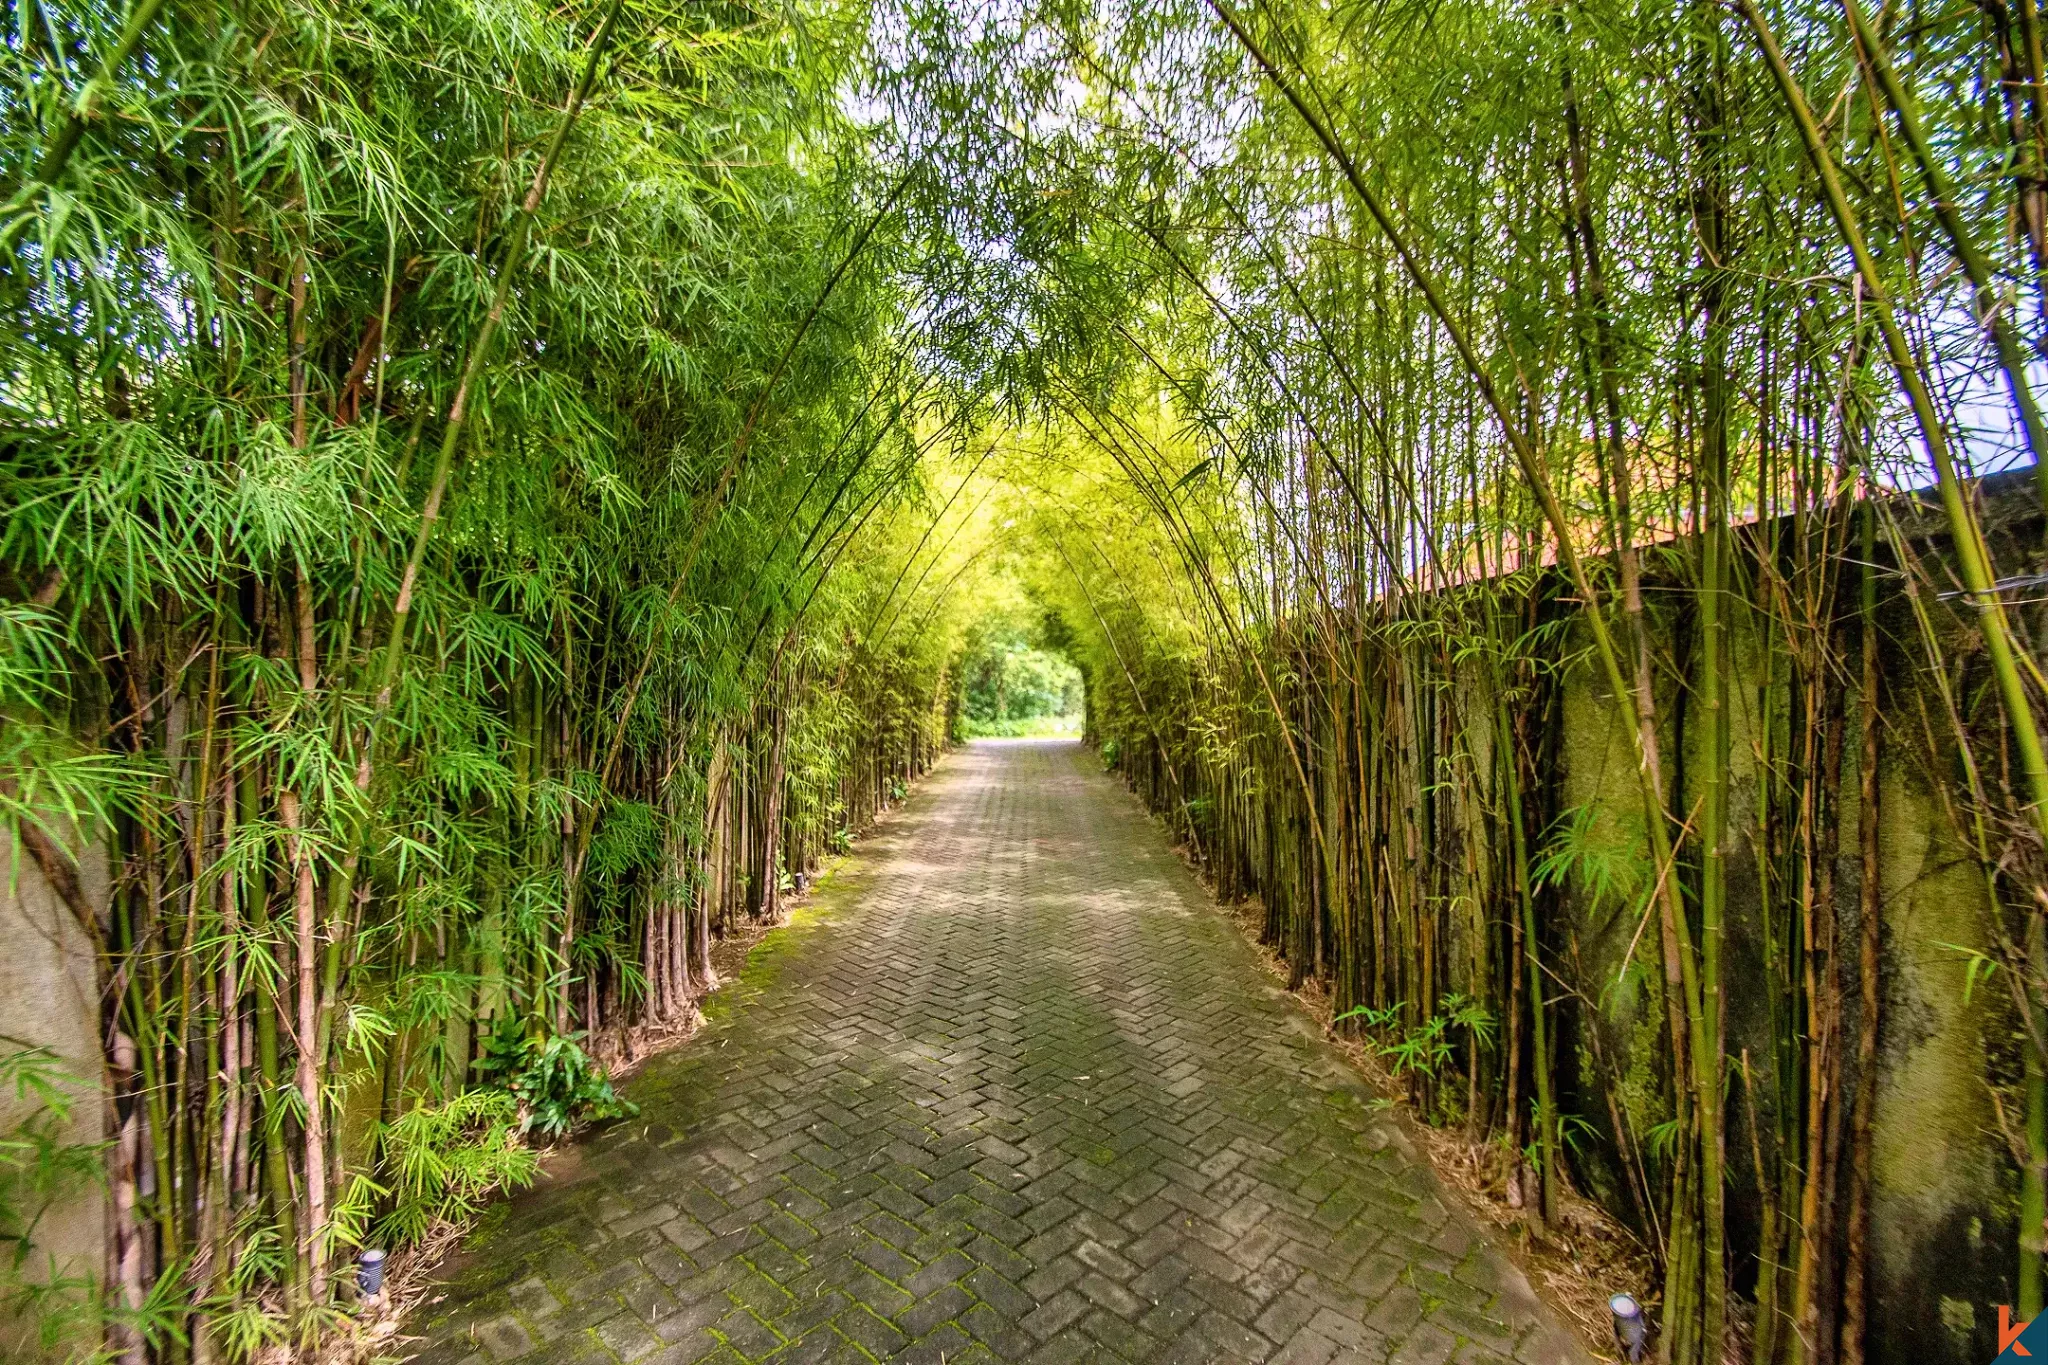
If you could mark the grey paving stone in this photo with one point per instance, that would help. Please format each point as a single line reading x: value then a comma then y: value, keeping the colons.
x: 1011, y: 1089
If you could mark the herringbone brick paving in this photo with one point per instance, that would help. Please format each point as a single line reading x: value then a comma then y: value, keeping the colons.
x: 1011, y: 1090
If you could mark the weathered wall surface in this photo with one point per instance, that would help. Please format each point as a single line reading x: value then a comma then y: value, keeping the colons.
x: 1943, y: 1189
x: 47, y: 1000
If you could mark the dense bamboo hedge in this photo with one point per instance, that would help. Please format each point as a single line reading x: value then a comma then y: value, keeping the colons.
x: 1446, y: 401
x: 427, y: 430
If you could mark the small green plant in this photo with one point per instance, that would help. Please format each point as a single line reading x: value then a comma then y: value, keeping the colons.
x: 1662, y: 1139
x: 1579, y: 1135
x: 1978, y: 967
x: 242, y: 1324
x: 1381, y: 1019
x: 446, y: 1160
x: 1426, y: 1050
x: 552, y: 1078
x: 1420, y: 1052
x: 1472, y: 1016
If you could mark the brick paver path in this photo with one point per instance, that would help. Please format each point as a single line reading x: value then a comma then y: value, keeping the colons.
x: 1012, y: 1089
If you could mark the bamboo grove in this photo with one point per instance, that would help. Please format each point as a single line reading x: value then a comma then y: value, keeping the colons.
x: 1514, y: 481
x: 1540, y: 493
x: 460, y: 475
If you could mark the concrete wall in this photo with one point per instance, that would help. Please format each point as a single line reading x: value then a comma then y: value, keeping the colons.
x: 47, y: 1000
x: 1944, y: 1196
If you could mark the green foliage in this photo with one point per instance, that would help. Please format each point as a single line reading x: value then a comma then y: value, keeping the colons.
x: 552, y: 1080
x: 1601, y: 856
x: 495, y: 620
x: 1015, y: 676
x: 1978, y: 966
x: 445, y: 1159
x: 1008, y: 681
x: 1376, y: 1018
x: 1596, y: 851
x: 1426, y: 1050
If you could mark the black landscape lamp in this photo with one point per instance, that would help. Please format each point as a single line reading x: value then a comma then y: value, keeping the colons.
x: 370, y: 1274
x: 1629, y: 1327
